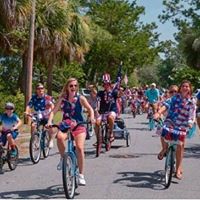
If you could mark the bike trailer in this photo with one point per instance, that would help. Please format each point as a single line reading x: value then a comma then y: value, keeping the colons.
x: 120, y: 131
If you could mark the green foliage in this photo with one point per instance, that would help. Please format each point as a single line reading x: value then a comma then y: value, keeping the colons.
x: 125, y: 39
x: 186, y: 73
x: 60, y: 75
x: 10, y: 69
x: 148, y: 74
x: 17, y: 99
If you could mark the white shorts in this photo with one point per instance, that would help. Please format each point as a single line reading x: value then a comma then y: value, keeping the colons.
x: 105, y: 116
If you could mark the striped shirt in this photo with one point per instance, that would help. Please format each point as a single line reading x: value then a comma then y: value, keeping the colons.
x: 181, y: 111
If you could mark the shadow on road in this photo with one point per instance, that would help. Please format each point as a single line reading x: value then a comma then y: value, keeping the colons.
x: 53, y: 192
x: 192, y: 151
x: 141, y: 180
x: 139, y: 129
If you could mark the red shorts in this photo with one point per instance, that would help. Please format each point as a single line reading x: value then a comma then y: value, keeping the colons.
x: 69, y: 123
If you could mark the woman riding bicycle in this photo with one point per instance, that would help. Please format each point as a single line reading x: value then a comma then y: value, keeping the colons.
x: 71, y: 104
x: 180, y: 117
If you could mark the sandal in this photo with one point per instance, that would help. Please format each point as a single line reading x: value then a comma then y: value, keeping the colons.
x: 95, y: 144
x: 161, y: 155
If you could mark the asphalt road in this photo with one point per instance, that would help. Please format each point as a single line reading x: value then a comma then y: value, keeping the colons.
x: 122, y: 173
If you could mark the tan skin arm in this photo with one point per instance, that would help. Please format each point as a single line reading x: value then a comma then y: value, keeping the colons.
x: 54, y: 111
x: 160, y: 112
x: 28, y: 110
x: 89, y: 109
x: 19, y: 123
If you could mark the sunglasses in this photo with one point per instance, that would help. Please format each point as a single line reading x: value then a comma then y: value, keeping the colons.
x: 71, y: 86
x: 173, y: 91
x: 41, y: 88
x: 9, y: 108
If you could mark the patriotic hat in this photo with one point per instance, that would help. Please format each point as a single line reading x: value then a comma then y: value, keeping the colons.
x: 106, y: 78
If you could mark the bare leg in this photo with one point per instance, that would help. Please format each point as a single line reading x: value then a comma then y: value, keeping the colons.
x: 179, y: 158
x: 80, y: 141
x: 61, y: 142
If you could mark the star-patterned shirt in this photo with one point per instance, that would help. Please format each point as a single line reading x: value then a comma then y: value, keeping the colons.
x: 40, y: 103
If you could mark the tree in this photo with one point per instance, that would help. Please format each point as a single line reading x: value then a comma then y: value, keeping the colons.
x: 119, y: 36
x: 185, y: 15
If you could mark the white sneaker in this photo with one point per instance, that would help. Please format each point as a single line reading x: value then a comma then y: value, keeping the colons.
x: 50, y: 143
x: 59, y: 166
x: 81, y: 180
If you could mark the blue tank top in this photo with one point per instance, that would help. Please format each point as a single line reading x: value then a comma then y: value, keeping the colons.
x: 72, y: 110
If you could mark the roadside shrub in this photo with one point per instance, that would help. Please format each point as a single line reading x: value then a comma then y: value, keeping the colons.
x: 18, y: 100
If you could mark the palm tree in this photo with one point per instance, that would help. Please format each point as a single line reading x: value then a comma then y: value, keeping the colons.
x: 61, y: 34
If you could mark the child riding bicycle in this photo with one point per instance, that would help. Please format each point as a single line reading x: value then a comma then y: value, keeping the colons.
x: 10, y: 123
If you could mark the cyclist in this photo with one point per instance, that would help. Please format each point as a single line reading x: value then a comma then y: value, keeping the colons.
x: 173, y: 89
x: 153, y: 95
x: 180, y: 117
x: 44, y: 104
x: 198, y: 108
x: 71, y: 104
x: 107, y: 105
x: 10, y: 121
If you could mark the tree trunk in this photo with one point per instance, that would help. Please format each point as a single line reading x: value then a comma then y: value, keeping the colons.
x: 29, y: 69
x: 49, y: 78
x: 22, y: 75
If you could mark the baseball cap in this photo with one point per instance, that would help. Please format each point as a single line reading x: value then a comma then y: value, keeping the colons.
x: 153, y: 84
x: 39, y: 85
x: 9, y: 105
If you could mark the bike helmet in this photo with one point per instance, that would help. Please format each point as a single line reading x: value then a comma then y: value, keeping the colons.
x: 9, y: 105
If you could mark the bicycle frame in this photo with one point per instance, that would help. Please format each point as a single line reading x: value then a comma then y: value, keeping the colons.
x: 170, y: 162
x: 70, y: 164
x: 5, y: 156
x: 40, y: 133
x: 103, y: 136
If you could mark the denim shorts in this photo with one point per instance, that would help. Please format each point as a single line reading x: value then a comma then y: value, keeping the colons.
x: 3, y: 137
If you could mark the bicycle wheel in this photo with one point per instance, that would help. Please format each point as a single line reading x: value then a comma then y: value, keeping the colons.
x: 127, y: 138
x: 134, y: 114
x: 68, y: 176
x: 99, y: 141
x: 35, y: 147
x: 12, y: 161
x: 107, y: 139
x: 45, y: 144
x: 169, y: 165
x: 1, y: 158
x: 151, y: 124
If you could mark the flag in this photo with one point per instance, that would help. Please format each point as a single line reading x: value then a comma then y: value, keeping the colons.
x: 126, y: 79
x: 119, y: 77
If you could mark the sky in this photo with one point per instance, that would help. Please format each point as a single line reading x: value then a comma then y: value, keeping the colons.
x: 152, y: 9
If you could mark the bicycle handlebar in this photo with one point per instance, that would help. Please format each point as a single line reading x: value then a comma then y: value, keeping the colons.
x: 8, y: 131
x: 78, y: 124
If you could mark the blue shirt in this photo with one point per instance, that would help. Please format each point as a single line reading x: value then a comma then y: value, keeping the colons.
x: 72, y: 110
x: 8, y: 121
x: 152, y: 95
x: 39, y: 103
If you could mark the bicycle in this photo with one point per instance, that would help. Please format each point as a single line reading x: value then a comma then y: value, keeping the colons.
x: 103, y: 136
x: 39, y: 139
x: 151, y: 123
x: 6, y: 156
x: 70, y: 169
x: 170, y: 154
